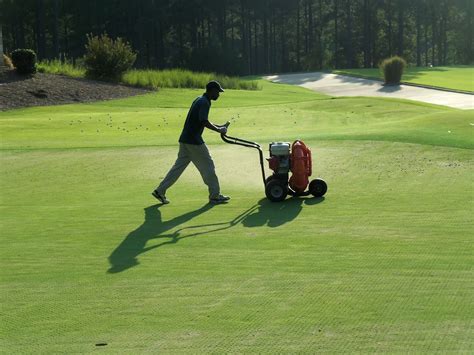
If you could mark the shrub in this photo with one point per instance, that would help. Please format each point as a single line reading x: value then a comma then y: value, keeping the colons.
x: 392, y: 69
x: 24, y: 60
x: 107, y: 59
x: 7, y: 62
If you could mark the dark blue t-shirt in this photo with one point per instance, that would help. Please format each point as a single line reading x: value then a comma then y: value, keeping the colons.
x: 194, y: 124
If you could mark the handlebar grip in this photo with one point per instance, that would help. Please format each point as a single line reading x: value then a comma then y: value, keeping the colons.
x: 226, y: 125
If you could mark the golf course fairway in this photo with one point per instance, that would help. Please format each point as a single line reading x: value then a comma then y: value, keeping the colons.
x: 382, y: 263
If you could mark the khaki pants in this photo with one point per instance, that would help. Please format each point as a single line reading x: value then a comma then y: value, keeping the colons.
x: 199, y: 155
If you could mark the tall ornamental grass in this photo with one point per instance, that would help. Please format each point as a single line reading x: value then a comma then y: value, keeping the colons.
x: 7, y: 62
x: 154, y: 79
x: 392, y: 69
x: 182, y: 78
x: 66, y: 67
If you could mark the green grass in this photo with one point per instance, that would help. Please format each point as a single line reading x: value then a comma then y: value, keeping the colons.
x: 55, y: 66
x: 382, y: 264
x: 155, y: 79
x: 455, y: 78
x: 181, y: 78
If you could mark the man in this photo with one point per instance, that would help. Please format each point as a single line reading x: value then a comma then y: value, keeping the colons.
x: 193, y: 149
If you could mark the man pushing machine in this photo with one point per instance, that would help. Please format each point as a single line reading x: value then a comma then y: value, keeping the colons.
x: 193, y: 149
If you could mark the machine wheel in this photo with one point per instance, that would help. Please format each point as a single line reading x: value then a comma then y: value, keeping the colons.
x: 318, y: 187
x: 270, y: 178
x: 281, y: 177
x: 276, y: 190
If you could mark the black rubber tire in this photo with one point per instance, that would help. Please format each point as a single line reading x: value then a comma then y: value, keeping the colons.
x: 270, y: 178
x: 276, y: 190
x: 318, y: 187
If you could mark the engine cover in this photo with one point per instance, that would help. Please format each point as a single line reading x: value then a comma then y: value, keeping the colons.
x: 280, y: 157
x: 301, y: 166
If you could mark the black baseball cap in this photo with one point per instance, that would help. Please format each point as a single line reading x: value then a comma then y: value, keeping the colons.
x: 214, y: 85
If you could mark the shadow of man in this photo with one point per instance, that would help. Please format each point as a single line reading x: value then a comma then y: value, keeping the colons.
x: 276, y: 214
x: 126, y: 254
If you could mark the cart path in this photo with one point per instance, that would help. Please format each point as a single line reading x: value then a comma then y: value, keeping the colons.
x: 341, y: 85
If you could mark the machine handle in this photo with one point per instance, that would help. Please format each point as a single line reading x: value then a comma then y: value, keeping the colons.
x: 248, y: 144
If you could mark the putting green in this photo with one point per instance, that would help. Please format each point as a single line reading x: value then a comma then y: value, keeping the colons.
x: 382, y: 264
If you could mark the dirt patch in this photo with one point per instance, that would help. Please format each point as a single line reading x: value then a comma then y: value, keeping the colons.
x: 47, y: 89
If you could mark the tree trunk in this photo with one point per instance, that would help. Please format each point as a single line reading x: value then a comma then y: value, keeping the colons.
x: 249, y: 42
x: 350, y: 48
x: 273, y: 42
x: 232, y: 38
x: 320, y: 35
x: 470, y: 30
x: 66, y: 35
x: 243, y: 38
x: 426, y: 26
x: 255, y: 42
x: 433, y: 35
x: 209, y: 32
x: 445, y: 35
x: 224, y: 26
x: 310, y: 27
x: 40, y: 35
x: 180, y: 43
x: 336, y: 43
x: 401, y: 25
x: 298, y: 54
x: 158, y: 42
x: 306, y: 26
x: 366, y: 34
x: 56, y: 29
x: 265, y: 42
x: 1, y: 47
x: 283, y: 42
x: 20, y: 38
x: 373, y: 32
x: 390, y: 27
x: 418, y: 34
x: 442, y: 37
x: 161, y: 42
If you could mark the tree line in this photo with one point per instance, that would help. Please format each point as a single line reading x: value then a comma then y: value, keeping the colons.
x: 249, y: 36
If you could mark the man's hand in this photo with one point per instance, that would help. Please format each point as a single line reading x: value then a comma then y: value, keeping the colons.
x: 222, y: 129
x: 218, y: 128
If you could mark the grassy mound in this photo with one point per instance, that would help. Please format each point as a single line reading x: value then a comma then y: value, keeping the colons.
x: 382, y: 264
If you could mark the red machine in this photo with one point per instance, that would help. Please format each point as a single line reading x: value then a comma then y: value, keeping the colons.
x: 283, y: 160
x: 296, y: 160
